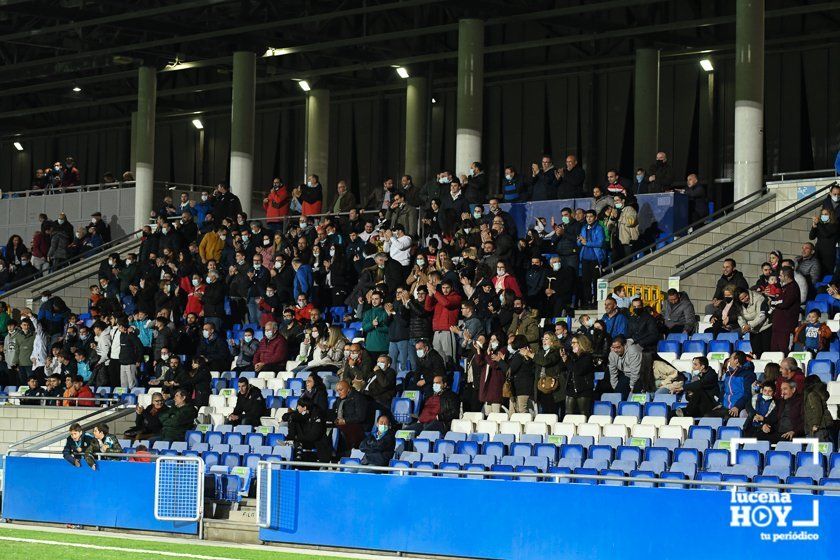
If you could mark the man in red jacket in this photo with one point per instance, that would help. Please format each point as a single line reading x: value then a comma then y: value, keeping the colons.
x: 445, y: 305
x: 276, y: 205
x: 789, y: 372
x: 271, y: 352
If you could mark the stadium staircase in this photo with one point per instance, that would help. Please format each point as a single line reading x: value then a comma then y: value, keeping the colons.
x: 72, y: 282
x: 775, y: 219
x: 235, y: 523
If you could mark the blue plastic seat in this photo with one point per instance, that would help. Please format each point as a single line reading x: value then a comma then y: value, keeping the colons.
x: 678, y: 337
x: 502, y: 468
x: 626, y: 408
x: 721, y: 345
x: 470, y: 448
x: 697, y: 346
x: 705, y: 337
x: 613, y: 398
x: 494, y: 448
x: 820, y: 366
x: 210, y: 459
x: 657, y: 409
x: 715, y: 458
x: 444, y: 446
x: 730, y: 336
x: 822, y: 306
x: 585, y: 471
x: 672, y: 346
x: 687, y: 455
x: 547, y: 450
x: 603, y: 408
x: 641, y: 478
x: 702, y: 432
x: 778, y: 458
x: 744, y: 346
x: 601, y: 452
x: 521, y: 449
x: 658, y: 454
x: 234, y: 438
x: 629, y: 453
x: 726, y: 433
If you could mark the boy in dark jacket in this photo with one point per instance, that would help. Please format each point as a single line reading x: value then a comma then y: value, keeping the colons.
x: 77, y: 445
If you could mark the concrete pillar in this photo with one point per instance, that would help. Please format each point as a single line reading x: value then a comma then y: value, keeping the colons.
x: 749, y: 97
x: 132, y: 161
x: 242, y: 127
x: 145, y: 145
x: 416, y: 115
x: 470, y: 94
x: 706, y: 158
x: 646, y: 107
x: 318, y: 138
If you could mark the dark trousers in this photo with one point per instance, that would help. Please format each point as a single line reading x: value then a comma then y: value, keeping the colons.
x: 578, y: 405
x: 433, y: 426
x: 760, y: 341
x: 547, y: 403
x: 114, y: 373
x: 469, y: 398
x: 589, y: 275
x: 700, y: 404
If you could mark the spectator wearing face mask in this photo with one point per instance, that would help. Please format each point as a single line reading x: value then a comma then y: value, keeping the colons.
x: 244, y: 350
x: 439, y: 409
x: 504, y: 281
x: 660, y: 174
x: 382, y: 384
x: 514, y: 189
x: 379, y: 446
x: 272, y: 350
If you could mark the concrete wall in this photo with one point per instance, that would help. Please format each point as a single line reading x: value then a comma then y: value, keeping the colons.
x: 19, y: 422
x: 701, y: 285
x: 20, y: 215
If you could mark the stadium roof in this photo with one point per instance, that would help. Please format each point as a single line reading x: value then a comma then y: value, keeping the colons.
x: 73, y: 63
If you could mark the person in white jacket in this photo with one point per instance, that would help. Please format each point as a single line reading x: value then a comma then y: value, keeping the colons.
x: 398, y: 245
x: 39, y: 347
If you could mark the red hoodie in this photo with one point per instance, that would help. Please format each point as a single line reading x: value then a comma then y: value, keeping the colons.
x: 446, y: 309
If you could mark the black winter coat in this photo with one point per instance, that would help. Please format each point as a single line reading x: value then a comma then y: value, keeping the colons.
x: 521, y: 373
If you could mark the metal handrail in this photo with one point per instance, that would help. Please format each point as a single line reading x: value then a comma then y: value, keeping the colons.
x: 540, y: 475
x: 699, y: 223
x: 809, y: 199
x: 95, y: 398
x: 783, y: 174
x: 98, y: 411
x: 64, y: 190
x: 19, y: 285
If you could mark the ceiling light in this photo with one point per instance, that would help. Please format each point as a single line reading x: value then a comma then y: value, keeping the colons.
x: 77, y: 89
x: 304, y: 85
x: 402, y: 72
x: 18, y: 146
x: 273, y: 51
x: 198, y: 124
x: 706, y: 65
x: 434, y: 100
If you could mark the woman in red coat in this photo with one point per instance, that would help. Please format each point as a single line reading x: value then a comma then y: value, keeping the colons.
x: 490, y: 376
x: 311, y: 197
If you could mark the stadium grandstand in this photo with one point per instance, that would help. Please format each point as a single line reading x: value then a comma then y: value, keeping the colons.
x: 322, y: 279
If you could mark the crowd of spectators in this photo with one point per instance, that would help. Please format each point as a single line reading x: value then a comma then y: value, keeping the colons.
x: 452, y: 287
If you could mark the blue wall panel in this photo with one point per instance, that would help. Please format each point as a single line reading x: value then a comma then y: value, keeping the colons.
x: 117, y: 494
x: 530, y: 520
x: 669, y: 211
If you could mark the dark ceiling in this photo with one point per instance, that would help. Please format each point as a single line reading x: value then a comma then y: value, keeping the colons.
x: 50, y: 47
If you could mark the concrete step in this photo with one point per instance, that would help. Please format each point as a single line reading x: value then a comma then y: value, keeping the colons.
x: 225, y: 530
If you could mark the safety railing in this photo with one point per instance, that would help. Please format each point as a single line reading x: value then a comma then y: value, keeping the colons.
x: 66, y: 267
x: 816, y: 173
x: 47, y: 401
x: 36, y: 442
x: 739, y: 239
x: 70, y: 189
x: 700, y: 226
x: 650, y: 294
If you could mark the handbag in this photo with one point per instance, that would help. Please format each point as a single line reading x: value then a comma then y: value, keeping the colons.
x: 547, y: 385
x: 507, y: 389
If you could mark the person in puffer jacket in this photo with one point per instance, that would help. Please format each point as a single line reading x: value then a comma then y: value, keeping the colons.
x: 592, y: 242
x: 678, y: 313
x: 737, y: 386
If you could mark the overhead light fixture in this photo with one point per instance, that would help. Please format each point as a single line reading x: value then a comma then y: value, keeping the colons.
x: 402, y: 72
x: 77, y: 89
x: 706, y: 65
x: 273, y: 51
x: 198, y: 124
x: 18, y: 146
x: 304, y: 85
x: 434, y: 100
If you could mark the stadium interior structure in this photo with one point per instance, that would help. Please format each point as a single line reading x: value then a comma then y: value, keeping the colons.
x: 474, y: 195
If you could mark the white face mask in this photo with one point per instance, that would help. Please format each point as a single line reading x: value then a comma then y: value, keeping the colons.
x: 555, y: 266
x: 421, y: 353
x: 510, y: 349
x: 494, y: 345
x: 381, y: 365
x: 266, y: 242
x: 164, y: 357
x: 500, y: 272
x: 223, y: 237
x: 835, y: 198
x: 437, y: 388
x: 509, y: 177
x: 248, y: 338
x: 421, y: 262
x: 196, y: 282
x: 546, y: 347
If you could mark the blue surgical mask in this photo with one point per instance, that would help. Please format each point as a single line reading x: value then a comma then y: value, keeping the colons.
x: 381, y: 428
x: 248, y: 338
x: 823, y: 218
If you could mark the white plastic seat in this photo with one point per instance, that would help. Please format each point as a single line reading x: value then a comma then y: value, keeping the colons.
x: 643, y: 431
x: 801, y: 358
x: 684, y: 421
x: 688, y: 356
x: 600, y: 419
x: 275, y: 384
x: 564, y: 429
x: 473, y: 417
x: 279, y: 412
x: 593, y: 430
x: 521, y: 417
x: 510, y: 427
x: 217, y: 419
x: 498, y: 416
x: 772, y: 356
x: 490, y: 427
x: 462, y: 426
x: 217, y: 402
x: 258, y: 383
x: 144, y: 400
x: 672, y: 432
x: 654, y: 421
x: 536, y: 428
x: 549, y: 419
x: 154, y: 390
x: 575, y: 419
x: 668, y: 356
x: 616, y: 430
x: 266, y: 375
x: 285, y: 375
x: 628, y: 421
x: 215, y: 374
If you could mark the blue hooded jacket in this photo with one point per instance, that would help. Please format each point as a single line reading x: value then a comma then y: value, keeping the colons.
x: 737, y: 386
x: 596, y: 241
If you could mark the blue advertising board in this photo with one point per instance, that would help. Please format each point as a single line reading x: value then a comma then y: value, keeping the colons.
x: 118, y: 494
x: 541, y: 520
x: 666, y: 212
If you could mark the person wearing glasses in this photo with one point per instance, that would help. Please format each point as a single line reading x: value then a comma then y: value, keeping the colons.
x: 147, y: 423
